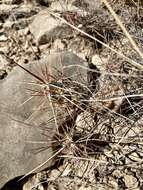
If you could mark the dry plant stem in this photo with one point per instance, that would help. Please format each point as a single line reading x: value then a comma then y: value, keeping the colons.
x: 83, y: 159
x: 134, y: 63
x: 119, y: 22
x: 106, y: 73
x: 53, y: 111
x: 116, y: 98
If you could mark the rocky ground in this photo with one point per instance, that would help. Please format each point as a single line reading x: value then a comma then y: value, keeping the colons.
x: 71, y: 115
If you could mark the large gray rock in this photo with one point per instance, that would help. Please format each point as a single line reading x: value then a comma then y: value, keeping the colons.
x: 26, y: 125
x: 48, y: 28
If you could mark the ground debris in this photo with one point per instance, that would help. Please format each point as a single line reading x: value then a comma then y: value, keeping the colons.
x: 96, y: 101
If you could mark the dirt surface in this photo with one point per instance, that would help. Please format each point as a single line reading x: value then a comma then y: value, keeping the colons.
x: 98, y: 144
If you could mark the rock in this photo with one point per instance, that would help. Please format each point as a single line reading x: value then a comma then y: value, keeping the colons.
x: 3, y: 74
x: 48, y: 28
x: 6, y: 8
x: 131, y: 182
x: 36, y: 182
x: 99, y: 62
x: 63, y: 7
x: 69, y: 175
x: 18, y: 140
x: 8, y: 24
x: 4, y: 49
x: 3, y: 37
x: 3, y: 62
x: 58, y: 45
x: 27, y: 123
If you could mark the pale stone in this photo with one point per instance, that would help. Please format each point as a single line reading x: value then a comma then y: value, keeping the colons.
x: 27, y: 123
x: 48, y: 28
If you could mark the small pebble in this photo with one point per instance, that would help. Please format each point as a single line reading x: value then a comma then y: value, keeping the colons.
x: 3, y: 74
x: 3, y: 38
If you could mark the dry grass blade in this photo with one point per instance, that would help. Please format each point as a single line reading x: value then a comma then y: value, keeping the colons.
x: 134, y: 63
x: 82, y: 158
x: 119, y: 22
x: 115, y: 98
